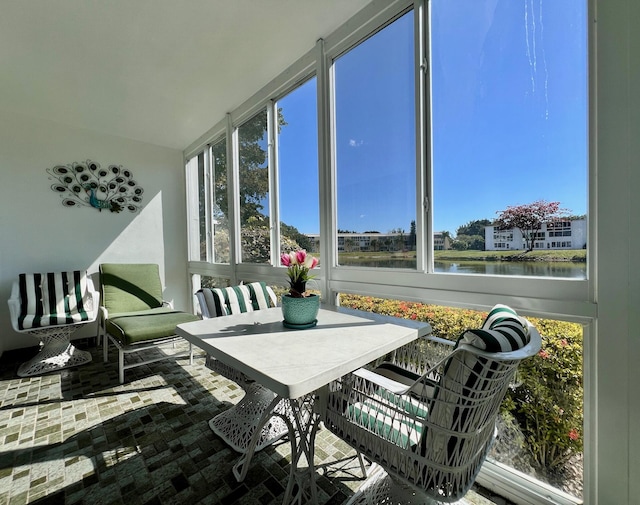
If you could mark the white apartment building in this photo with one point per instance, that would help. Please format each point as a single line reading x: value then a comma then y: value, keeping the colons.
x: 565, y: 234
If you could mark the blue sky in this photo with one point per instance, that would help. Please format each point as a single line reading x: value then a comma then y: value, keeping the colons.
x: 509, y: 118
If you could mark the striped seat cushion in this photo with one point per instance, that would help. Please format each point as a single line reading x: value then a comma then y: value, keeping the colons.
x: 216, y: 302
x: 52, y: 299
x: 396, y: 419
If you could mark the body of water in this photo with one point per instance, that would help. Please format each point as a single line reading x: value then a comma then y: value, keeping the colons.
x: 529, y: 268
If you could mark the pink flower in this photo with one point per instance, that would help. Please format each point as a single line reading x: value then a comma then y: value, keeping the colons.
x: 543, y: 354
x: 311, y: 262
x: 298, y: 264
x: 301, y: 255
x: 573, y: 434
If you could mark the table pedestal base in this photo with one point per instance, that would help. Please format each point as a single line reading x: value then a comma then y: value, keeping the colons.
x: 303, y: 425
x: 57, y: 352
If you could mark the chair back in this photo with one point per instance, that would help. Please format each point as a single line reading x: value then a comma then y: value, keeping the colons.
x: 130, y: 287
x: 460, y: 428
x: 216, y: 302
x: 51, y: 299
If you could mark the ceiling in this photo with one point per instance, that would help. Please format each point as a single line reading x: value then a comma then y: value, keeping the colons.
x: 157, y: 71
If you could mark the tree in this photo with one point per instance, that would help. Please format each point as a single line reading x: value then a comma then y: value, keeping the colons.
x: 253, y: 169
x: 473, y: 227
x: 412, y: 236
x: 293, y: 233
x: 529, y: 219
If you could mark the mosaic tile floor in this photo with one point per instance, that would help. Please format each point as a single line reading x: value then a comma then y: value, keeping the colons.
x: 79, y: 437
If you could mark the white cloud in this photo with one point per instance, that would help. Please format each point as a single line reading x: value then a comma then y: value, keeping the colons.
x: 355, y: 143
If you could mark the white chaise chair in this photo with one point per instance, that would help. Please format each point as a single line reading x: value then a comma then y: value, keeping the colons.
x: 50, y: 307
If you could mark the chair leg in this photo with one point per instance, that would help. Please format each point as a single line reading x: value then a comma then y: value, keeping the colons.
x: 57, y: 352
x: 121, y: 365
x: 105, y: 348
x: 362, y: 466
x: 251, y: 425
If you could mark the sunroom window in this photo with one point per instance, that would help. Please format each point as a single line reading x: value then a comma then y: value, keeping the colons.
x: 375, y: 149
x: 509, y: 101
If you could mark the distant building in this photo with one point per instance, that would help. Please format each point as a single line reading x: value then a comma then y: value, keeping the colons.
x: 565, y: 234
x: 441, y: 241
x: 374, y: 242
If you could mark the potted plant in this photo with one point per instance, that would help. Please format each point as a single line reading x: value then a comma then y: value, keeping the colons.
x: 299, y: 308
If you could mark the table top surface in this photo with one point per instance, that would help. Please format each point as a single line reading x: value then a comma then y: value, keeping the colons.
x: 292, y: 362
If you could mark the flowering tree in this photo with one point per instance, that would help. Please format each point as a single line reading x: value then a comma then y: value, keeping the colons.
x: 529, y: 218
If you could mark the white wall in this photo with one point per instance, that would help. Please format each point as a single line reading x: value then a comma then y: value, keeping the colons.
x: 38, y: 234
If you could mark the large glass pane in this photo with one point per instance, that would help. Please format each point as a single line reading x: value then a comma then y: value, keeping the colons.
x: 298, y: 169
x: 220, y: 203
x: 254, y: 189
x: 375, y: 149
x: 509, y: 129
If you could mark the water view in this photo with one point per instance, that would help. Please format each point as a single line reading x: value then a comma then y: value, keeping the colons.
x: 564, y: 269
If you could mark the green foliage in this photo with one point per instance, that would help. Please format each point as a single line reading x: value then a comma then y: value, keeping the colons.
x: 548, y: 403
x: 473, y: 228
x: 292, y: 232
x: 469, y: 242
x: 548, y: 400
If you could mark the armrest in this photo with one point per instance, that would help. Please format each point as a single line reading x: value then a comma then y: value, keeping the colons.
x: 419, y: 380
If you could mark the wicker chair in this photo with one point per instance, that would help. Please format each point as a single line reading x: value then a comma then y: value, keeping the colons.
x: 426, y: 415
x: 50, y: 307
x: 248, y: 426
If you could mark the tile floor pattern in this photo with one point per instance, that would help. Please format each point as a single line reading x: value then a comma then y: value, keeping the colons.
x: 79, y: 437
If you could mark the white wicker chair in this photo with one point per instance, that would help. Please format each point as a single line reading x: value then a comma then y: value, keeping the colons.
x: 50, y: 307
x: 250, y: 425
x: 427, y: 414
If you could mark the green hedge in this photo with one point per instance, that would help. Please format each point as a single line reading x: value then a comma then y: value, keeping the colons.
x: 548, y: 400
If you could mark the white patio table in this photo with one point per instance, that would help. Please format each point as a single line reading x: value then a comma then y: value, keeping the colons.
x: 297, y: 365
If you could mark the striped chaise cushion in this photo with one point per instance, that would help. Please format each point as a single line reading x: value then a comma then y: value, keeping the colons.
x: 52, y: 299
x: 216, y: 302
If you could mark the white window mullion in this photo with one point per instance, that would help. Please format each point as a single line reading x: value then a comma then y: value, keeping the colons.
x: 326, y: 169
x: 209, y: 195
x: 274, y: 205
x: 424, y: 233
x: 233, y: 197
x: 193, y: 199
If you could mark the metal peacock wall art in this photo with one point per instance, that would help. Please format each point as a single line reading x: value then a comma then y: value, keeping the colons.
x: 86, y: 184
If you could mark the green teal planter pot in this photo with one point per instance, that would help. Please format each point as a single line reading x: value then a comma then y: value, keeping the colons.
x: 300, y: 311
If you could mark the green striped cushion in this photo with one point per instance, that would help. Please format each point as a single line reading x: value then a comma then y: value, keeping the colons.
x: 383, y: 415
x: 502, y: 331
x: 52, y: 299
x: 216, y: 302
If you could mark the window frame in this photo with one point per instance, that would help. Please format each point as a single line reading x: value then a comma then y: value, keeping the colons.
x: 563, y: 299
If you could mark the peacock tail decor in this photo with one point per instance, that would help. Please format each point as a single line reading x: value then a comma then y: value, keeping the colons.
x: 86, y: 184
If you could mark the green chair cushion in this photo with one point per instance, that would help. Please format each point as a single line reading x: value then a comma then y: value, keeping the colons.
x: 151, y: 324
x: 130, y: 287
